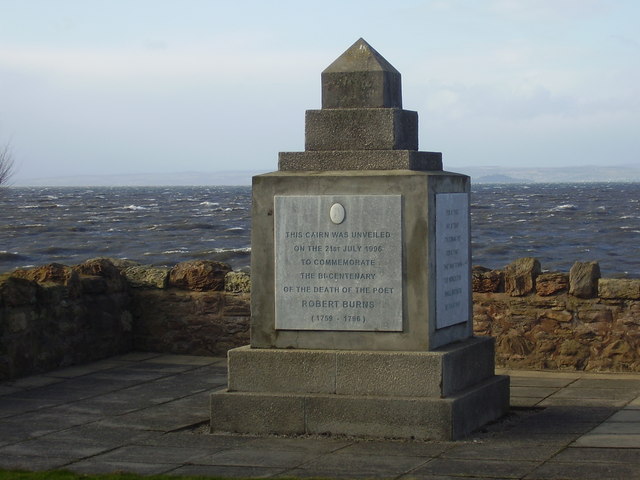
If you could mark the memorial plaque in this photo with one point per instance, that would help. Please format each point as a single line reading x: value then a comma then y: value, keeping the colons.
x: 338, y: 262
x: 452, y: 259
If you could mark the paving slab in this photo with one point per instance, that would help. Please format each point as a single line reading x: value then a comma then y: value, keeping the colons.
x: 525, y: 401
x: 475, y: 467
x: 596, y: 393
x: 546, y: 381
x: 11, y: 462
x: 246, y: 456
x: 616, y: 383
x: 585, y: 471
x: 533, y: 391
x: 582, y: 402
x: 606, y: 440
x: 44, y: 447
x: 397, y: 448
x: 503, y: 451
x: 540, y: 373
x: 96, y: 466
x: 87, y: 369
x: 11, y: 405
x: 599, y: 455
x: 101, y: 435
x: 33, y: 381
x: 625, y: 415
x: 228, y: 471
x: 6, y: 389
x: 307, y: 445
x: 136, y: 356
x: 152, y: 454
x: 624, y: 428
x: 163, y: 418
x: 186, y: 360
x: 213, y: 443
x: 358, y: 466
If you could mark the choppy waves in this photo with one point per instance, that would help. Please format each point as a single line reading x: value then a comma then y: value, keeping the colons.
x: 556, y: 223
x: 153, y: 225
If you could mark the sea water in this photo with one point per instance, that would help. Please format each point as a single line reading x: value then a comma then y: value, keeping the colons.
x: 557, y: 223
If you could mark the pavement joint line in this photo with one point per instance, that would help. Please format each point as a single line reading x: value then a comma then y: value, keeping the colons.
x: 423, y: 464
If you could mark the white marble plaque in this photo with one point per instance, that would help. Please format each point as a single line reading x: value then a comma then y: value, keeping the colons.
x: 452, y: 259
x: 338, y: 262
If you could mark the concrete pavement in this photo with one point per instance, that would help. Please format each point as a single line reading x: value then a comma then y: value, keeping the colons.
x: 148, y: 413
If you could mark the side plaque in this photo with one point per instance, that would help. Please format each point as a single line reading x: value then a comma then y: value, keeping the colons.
x: 452, y: 259
x: 338, y: 262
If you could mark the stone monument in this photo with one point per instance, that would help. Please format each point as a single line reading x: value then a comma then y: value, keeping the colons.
x: 361, y: 306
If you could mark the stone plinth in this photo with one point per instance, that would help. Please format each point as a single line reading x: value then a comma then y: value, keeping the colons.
x: 442, y: 394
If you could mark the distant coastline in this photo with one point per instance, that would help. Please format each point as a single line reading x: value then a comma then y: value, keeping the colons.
x: 479, y: 174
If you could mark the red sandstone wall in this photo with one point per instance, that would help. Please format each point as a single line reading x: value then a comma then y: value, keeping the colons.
x: 574, y: 320
x: 55, y: 315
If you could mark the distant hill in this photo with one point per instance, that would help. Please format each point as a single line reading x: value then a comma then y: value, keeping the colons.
x: 499, y: 179
x: 620, y: 173
x: 578, y: 174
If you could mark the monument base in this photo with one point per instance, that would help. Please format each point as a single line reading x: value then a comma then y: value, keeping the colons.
x: 442, y: 394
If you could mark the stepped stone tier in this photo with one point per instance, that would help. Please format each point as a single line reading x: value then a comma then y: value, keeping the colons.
x: 361, y: 125
x: 361, y: 310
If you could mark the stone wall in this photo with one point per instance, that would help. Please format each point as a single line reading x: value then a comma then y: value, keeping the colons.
x: 196, y: 308
x: 55, y: 316
x: 574, y: 320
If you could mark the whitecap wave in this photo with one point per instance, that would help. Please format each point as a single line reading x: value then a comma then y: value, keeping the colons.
x: 565, y: 207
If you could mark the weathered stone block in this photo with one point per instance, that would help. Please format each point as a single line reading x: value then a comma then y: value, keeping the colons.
x: 551, y: 283
x: 237, y: 282
x: 282, y: 371
x: 591, y: 313
x: 257, y: 413
x: 520, y: 276
x: 361, y: 129
x: 361, y: 78
x: 485, y: 280
x: 438, y: 373
x: 144, y: 276
x: 104, y: 268
x: 619, y: 288
x: 423, y: 418
x: 199, y: 275
x: 51, y: 273
x: 360, y: 160
x: 583, y: 279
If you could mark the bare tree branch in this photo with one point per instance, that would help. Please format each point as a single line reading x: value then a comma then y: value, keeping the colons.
x: 6, y: 164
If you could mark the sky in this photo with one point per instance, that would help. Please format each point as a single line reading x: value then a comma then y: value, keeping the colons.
x: 100, y: 87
